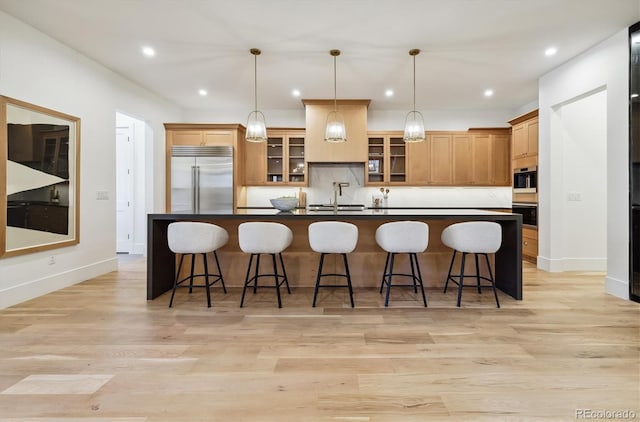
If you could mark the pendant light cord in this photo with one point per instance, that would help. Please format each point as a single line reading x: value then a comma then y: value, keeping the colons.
x: 335, y: 84
x: 414, y: 83
x: 255, y: 81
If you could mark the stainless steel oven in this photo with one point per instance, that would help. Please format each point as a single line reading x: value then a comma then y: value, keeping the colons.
x: 528, y: 211
x: 525, y: 180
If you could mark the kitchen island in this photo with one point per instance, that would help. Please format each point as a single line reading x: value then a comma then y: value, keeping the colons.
x: 367, y: 260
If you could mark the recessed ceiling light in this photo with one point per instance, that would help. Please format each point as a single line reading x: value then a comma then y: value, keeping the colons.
x: 550, y: 51
x: 389, y: 93
x: 148, y: 51
x: 295, y: 92
x: 488, y: 92
x: 202, y: 92
x: 634, y: 95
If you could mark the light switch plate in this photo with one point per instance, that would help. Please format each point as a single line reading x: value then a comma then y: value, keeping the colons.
x: 102, y: 195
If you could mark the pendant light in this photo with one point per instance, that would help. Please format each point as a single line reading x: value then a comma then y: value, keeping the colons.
x: 335, y: 130
x: 256, y: 127
x: 414, y: 122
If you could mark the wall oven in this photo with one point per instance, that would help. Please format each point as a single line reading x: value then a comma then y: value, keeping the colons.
x: 528, y: 211
x: 525, y: 180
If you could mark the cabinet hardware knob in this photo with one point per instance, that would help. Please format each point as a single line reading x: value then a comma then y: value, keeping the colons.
x: 526, y: 243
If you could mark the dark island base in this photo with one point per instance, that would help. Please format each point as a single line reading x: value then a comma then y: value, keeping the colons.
x: 366, y: 262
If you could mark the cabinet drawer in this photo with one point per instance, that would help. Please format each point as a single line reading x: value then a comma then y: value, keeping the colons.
x: 529, y: 246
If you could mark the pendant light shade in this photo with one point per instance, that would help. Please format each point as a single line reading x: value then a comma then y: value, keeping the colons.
x: 335, y: 130
x: 256, y: 127
x: 414, y: 122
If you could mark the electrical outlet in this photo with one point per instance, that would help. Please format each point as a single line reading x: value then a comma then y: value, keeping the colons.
x: 52, y: 260
x: 102, y: 195
x: 574, y: 196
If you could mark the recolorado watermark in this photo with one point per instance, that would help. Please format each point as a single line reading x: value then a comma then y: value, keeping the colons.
x: 604, y: 414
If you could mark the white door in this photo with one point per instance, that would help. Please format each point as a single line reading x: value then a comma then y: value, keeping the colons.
x: 124, y: 190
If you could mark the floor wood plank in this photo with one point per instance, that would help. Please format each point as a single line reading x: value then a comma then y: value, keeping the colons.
x: 566, y: 346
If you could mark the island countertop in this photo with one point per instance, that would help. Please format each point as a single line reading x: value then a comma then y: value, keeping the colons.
x: 366, y: 257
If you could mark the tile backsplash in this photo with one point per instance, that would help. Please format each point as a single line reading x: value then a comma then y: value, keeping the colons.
x: 322, y: 176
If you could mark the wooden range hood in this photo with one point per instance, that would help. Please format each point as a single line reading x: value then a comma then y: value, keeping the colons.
x: 355, y: 120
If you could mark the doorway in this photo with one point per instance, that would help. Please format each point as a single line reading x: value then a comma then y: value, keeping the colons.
x: 130, y: 182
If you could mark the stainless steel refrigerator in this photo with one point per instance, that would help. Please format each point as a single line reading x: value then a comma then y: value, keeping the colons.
x: 201, y: 178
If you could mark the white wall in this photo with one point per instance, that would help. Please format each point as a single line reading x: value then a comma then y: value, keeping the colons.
x: 583, y: 135
x: 603, y: 66
x: 37, y: 69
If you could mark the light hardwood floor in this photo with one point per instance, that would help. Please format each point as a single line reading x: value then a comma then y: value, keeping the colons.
x: 98, y: 351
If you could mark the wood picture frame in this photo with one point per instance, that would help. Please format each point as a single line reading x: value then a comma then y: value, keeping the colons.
x: 40, y: 168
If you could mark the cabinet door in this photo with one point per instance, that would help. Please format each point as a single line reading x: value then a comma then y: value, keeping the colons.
x: 275, y: 159
x: 482, y: 161
x: 397, y: 160
x: 462, y: 160
x: 186, y: 137
x: 440, y: 158
x: 501, y: 160
x: 532, y: 137
x: 520, y: 140
x: 255, y: 166
x: 296, y: 166
x: 218, y: 137
x: 376, y: 161
x: 417, y: 160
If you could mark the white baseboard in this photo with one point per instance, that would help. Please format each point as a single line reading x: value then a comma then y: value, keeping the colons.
x: 572, y: 264
x: 34, y: 288
x: 140, y: 249
x: 615, y: 287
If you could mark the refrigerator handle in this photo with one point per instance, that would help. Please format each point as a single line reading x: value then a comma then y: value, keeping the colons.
x: 193, y: 188
x: 197, y: 190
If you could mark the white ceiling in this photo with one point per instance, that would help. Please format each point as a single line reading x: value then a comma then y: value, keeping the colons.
x: 467, y: 46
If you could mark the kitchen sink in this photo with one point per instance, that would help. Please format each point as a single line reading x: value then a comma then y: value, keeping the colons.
x: 341, y: 207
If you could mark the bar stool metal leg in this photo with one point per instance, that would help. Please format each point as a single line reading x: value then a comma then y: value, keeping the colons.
x: 284, y: 273
x: 315, y: 292
x: 493, y: 284
x: 346, y: 269
x: 446, y: 283
x: 246, y: 280
x: 461, y: 279
x: 384, y: 273
x: 475, y: 255
x: 424, y: 297
x: 275, y: 276
x: 175, y: 284
x: 206, y: 279
x: 220, y: 272
x: 386, y: 300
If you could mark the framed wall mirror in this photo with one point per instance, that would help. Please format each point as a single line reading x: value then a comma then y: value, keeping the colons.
x: 39, y: 163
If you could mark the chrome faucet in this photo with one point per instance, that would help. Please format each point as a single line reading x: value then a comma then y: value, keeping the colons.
x: 337, y: 190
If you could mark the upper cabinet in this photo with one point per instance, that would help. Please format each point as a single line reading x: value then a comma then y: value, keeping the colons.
x: 525, y: 139
x: 209, y: 134
x: 386, y: 154
x: 355, y: 119
x: 477, y: 157
x: 279, y: 161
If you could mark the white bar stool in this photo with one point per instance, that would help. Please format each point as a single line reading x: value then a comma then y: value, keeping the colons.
x: 410, y: 237
x: 257, y: 238
x: 333, y: 237
x: 477, y: 238
x: 192, y: 238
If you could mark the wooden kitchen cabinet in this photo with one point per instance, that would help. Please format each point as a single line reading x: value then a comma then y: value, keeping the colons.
x: 525, y: 139
x: 208, y: 134
x: 440, y: 159
x: 279, y: 161
x: 530, y: 244
x: 472, y: 158
x: 355, y: 119
x: 386, y: 153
